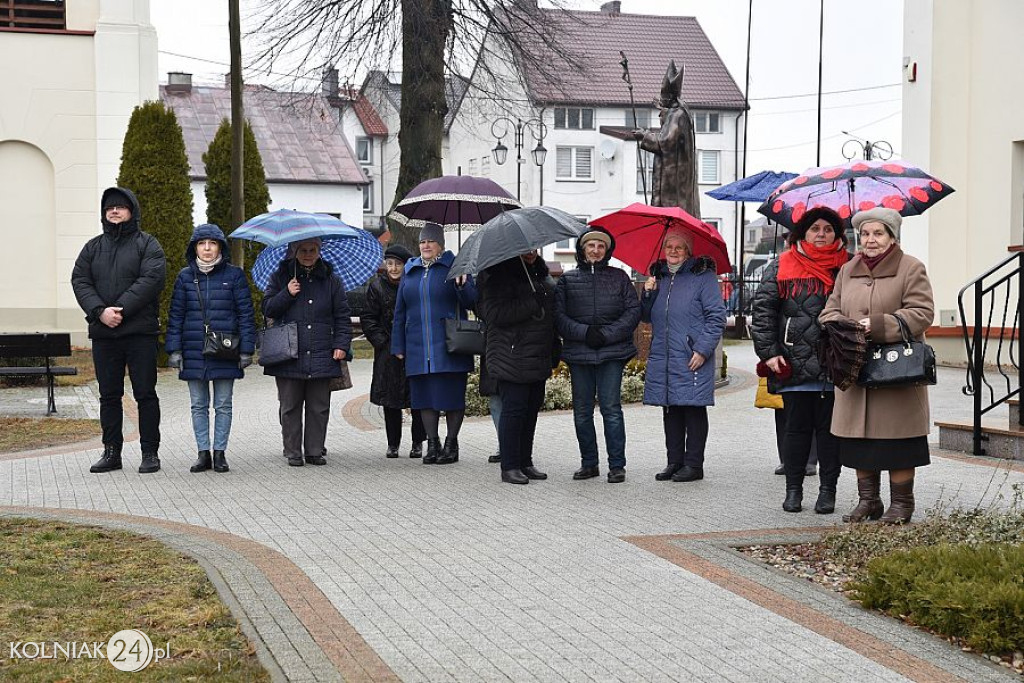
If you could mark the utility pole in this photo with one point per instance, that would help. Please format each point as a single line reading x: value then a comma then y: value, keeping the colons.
x: 237, y: 130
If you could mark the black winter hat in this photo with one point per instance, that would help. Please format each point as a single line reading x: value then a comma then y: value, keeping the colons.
x: 116, y: 198
x: 397, y: 251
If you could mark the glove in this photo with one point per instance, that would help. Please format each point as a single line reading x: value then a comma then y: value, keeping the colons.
x: 174, y: 360
x: 244, y: 361
x: 595, y: 337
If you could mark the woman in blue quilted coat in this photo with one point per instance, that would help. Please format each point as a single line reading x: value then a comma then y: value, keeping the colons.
x: 683, y: 303
x: 208, y: 273
x: 437, y: 379
x: 305, y: 290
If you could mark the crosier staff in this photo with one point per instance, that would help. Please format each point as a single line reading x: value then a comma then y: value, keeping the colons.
x: 636, y: 126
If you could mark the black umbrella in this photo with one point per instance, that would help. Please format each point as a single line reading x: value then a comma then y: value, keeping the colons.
x: 512, y: 233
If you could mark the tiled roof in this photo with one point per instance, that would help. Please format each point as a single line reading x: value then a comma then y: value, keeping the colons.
x: 649, y: 43
x: 299, y: 137
x: 454, y: 90
x: 368, y: 116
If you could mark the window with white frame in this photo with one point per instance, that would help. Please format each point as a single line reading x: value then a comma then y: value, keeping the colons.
x: 368, y: 197
x: 364, y: 150
x: 707, y: 166
x: 706, y: 122
x: 645, y: 169
x: 715, y: 223
x: 472, y: 167
x: 643, y: 118
x: 574, y: 163
x: 570, y: 244
x: 485, y: 166
x: 574, y: 118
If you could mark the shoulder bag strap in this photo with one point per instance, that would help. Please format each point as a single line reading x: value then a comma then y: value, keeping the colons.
x: 199, y: 295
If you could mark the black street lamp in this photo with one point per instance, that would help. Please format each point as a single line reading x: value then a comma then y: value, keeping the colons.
x: 519, y: 127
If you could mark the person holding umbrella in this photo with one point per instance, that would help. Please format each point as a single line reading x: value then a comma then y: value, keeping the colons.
x: 304, y: 289
x: 516, y: 300
x: 882, y: 428
x: 437, y: 379
x: 596, y: 313
x: 785, y: 330
x: 389, y: 387
x: 210, y: 291
x: 683, y: 303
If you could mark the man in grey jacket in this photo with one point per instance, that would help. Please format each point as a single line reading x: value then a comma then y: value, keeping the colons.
x: 117, y: 280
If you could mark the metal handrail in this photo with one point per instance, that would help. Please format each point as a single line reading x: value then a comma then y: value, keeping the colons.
x: 977, y: 340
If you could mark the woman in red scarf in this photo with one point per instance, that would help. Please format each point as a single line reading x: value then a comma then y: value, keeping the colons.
x: 784, y: 327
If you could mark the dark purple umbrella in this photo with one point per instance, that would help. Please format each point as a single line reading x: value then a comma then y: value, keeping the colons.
x: 454, y: 201
x: 854, y: 187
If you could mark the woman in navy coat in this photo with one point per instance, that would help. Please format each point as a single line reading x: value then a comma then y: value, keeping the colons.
x: 437, y: 379
x: 225, y: 296
x: 305, y: 290
x: 684, y: 305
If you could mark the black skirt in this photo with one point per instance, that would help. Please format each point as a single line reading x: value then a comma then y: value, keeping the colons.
x: 884, y: 454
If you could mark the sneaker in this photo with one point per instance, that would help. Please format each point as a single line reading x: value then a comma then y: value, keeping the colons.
x: 616, y: 476
x: 150, y: 463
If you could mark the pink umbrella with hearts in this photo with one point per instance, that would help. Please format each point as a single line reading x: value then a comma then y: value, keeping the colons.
x: 853, y: 187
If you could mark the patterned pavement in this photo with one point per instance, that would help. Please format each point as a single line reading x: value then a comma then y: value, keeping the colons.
x: 377, y: 569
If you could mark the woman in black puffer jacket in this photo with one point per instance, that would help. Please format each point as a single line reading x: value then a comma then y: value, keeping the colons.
x: 515, y: 298
x: 785, y: 330
x: 304, y: 289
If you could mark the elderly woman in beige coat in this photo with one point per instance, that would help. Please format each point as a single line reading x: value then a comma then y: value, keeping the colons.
x: 885, y: 428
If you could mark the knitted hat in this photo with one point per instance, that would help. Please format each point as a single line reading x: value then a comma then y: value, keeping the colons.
x: 890, y: 218
x: 397, y: 251
x: 596, y: 235
x: 114, y: 198
x: 812, y: 216
x: 432, y: 232
x: 294, y: 246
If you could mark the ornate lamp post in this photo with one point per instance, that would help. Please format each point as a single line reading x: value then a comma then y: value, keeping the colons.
x: 537, y: 130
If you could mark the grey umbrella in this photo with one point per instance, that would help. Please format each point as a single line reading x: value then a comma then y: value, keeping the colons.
x: 513, y: 233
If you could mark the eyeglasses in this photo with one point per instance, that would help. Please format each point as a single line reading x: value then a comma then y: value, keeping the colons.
x: 675, y: 247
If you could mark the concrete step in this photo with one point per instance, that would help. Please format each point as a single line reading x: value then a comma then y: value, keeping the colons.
x: 1014, y: 411
x: 1004, y: 441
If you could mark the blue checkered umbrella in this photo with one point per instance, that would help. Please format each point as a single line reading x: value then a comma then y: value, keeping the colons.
x: 284, y: 225
x: 354, y: 260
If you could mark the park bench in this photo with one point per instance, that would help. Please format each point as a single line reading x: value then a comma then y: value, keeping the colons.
x: 37, y: 345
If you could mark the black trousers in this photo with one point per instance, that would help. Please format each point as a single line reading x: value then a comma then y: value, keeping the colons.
x: 520, y: 404
x: 809, y: 416
x: 303, y: 400
x: 393, y: 427
x: 110, y: 357
x: 686, y: 434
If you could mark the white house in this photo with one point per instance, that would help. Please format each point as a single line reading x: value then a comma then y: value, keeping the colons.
x: 963, y: 121
x: 73, y: 73
x: 584, y: 122
x: 309, y: 164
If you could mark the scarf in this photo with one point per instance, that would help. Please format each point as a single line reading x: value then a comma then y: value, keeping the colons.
x: 206, y: 266
x: 673, y: 269
x: 428, y: 263
x: 807, y: 269
x: 872, y: 261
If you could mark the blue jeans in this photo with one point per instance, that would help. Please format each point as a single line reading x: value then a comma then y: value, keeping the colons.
x: 199, y: 391
x: 604, y: 380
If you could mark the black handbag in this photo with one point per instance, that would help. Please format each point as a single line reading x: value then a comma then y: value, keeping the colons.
x: 279, y: 343
x: 900, y: 364
x: 464, y: 337
x: 218, y: 345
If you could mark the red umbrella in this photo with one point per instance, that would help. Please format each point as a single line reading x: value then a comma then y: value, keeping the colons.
x: 640, y: 229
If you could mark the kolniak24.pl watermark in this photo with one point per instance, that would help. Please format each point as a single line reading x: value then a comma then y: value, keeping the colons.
x: 128, y: 650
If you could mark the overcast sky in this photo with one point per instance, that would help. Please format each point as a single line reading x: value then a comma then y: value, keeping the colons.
x: 862, y: 65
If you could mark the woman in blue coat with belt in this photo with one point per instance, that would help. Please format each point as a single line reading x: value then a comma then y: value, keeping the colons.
x: 437, y: 379
x: 305, y: 290
x: 224, y: 293
x: 683, y: 303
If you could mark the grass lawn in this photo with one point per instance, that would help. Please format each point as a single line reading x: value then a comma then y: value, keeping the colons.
x: 72, y: 584
x: 28, y: 433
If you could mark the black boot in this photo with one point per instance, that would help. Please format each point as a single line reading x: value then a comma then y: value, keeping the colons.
x: 666, y: 474
x: 109, y: 461
x: 826, y: 503
x: 220, y: 463
x: 451, y: 451
x: 417, y: 450
x: 150, y: 463
x: 433, y: 451
x: 794, y: 494
x: 202, y: 463
x: 392, y: 452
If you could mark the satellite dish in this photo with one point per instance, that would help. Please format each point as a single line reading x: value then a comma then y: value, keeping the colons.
x: 607, y: 149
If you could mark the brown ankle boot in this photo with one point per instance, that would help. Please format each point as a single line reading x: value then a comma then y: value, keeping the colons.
x: 901, y: 504
x: 870, y: 505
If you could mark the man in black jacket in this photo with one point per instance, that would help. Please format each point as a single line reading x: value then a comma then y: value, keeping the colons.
x: 117, y: 280
x: 596, y: 311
